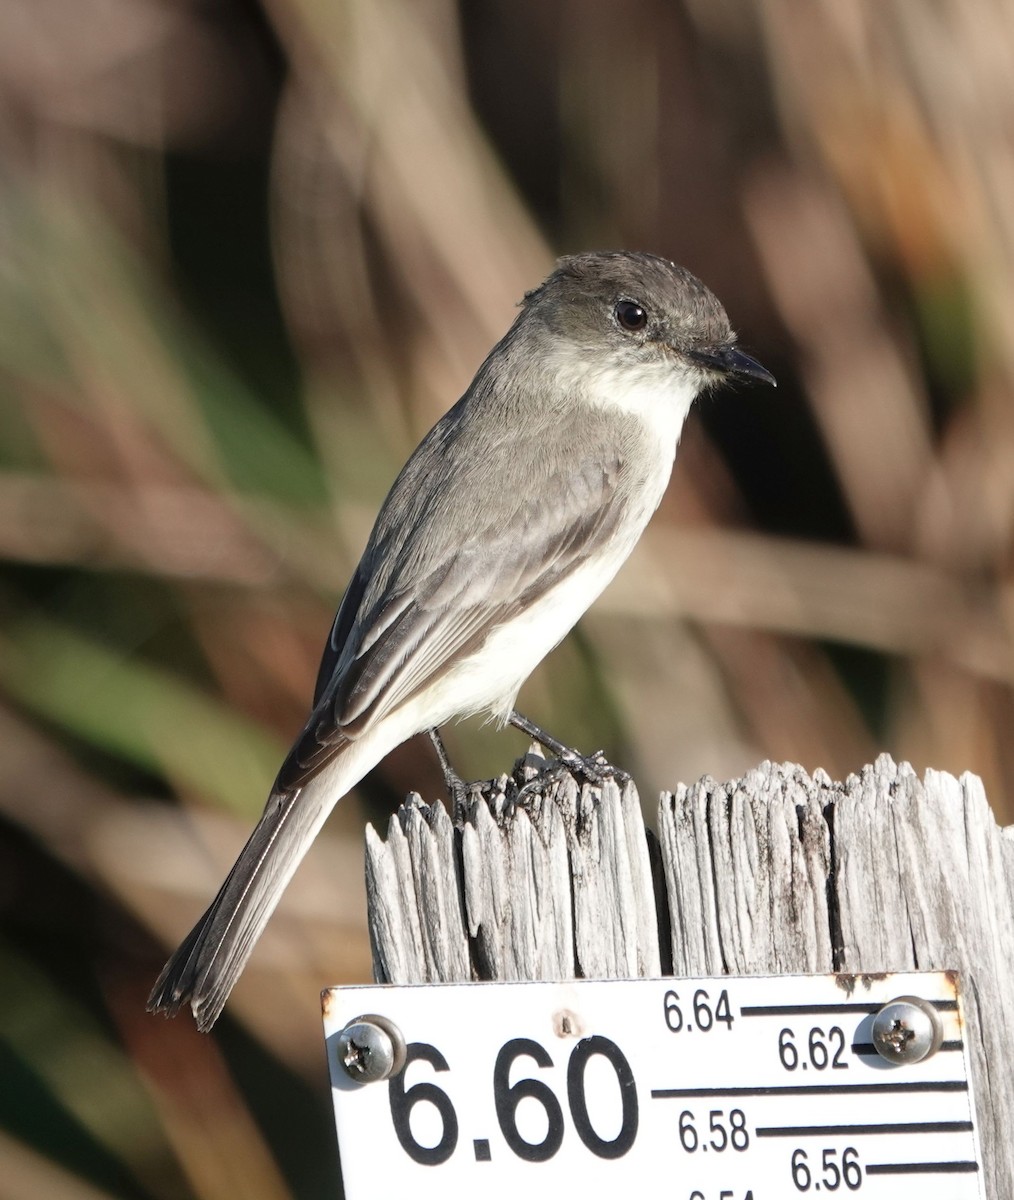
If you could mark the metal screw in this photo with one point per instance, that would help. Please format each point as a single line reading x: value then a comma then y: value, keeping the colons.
x: 907, y: 1030
x: 371, y: 1048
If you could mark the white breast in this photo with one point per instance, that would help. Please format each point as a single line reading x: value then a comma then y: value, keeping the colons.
x: 490, y: 679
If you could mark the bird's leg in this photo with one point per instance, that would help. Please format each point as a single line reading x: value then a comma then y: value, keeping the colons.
x: 457, y: 788
x: 592, y: 767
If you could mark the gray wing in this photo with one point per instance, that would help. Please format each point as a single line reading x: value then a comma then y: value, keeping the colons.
x: 473, y: 532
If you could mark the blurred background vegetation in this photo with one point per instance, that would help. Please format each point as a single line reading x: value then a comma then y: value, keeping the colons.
x: 248, y: 253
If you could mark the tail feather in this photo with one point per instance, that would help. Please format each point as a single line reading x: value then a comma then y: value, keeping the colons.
x: 207, y: 964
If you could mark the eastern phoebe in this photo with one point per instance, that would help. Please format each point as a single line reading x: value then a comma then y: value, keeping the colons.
x: 517, y: 509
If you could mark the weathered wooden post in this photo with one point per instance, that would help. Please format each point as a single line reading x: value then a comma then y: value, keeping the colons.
x: 778, y: 872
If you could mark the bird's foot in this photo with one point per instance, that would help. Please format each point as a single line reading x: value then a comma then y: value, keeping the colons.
x: 591, y: 768
x: 457, y: 788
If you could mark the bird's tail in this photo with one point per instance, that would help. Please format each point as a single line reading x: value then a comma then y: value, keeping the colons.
x: 207, y: 964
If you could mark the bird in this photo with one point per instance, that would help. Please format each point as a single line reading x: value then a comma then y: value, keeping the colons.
x: 511, y: 516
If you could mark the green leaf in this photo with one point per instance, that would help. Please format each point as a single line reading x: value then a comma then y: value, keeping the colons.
x: 147, y: 715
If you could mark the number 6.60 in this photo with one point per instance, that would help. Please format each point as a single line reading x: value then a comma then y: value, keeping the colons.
x: 507, y: 1097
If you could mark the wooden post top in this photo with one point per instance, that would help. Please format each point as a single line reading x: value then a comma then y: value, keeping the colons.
x: 776, y: 873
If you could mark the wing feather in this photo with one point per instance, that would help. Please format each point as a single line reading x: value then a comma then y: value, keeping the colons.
x: 424, y: 597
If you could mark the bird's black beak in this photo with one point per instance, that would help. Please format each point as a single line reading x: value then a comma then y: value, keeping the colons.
x: 727, y: 360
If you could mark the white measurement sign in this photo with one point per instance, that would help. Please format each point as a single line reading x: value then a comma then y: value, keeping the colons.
x: 763, y: 1088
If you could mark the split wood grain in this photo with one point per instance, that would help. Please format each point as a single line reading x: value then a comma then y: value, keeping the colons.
x: 778, y: 872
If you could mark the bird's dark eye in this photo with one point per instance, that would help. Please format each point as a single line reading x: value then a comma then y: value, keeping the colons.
x: 631, y: 316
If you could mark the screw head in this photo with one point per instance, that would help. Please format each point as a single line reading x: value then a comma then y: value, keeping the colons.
x: 907, y: 1030
x: 370, y: 1048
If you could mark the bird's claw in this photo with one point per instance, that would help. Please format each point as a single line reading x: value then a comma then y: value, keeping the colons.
x: 594, y: 767
x: 588, y: 768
